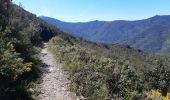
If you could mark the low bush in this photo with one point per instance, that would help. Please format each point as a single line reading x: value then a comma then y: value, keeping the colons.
x: 110, y: 73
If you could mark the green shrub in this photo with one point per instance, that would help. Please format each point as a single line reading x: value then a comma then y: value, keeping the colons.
x: 115, y: 72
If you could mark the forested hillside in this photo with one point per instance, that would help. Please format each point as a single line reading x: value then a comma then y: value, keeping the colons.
x: 21, y: 36
x: 150, y: 34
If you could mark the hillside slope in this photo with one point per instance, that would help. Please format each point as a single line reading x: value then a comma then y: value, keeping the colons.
x: 21, y: 36
x: 143, y: 34
x: 111, y: 72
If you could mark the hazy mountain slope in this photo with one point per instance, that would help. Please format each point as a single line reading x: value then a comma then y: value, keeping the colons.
x: 122, y: 32
x: 77, y: 29
x: 155, y: 38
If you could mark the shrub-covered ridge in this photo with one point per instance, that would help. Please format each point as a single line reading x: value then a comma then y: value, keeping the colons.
x: 102, y: 72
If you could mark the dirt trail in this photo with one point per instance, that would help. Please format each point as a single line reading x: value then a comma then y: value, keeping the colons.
x: 55, y: 83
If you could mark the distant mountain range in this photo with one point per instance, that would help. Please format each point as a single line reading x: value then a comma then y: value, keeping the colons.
x: 152, y: 34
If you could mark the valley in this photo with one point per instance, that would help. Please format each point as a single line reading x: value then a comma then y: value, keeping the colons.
x: 151, y: 34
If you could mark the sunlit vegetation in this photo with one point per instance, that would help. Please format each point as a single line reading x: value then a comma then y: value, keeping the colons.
x: 102, y: 72
x: 156, y: 95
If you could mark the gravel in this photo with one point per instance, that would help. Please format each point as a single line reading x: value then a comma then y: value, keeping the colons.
x: 55, y: 82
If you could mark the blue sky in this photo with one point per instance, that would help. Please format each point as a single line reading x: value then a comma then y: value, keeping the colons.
x: 88, y: 10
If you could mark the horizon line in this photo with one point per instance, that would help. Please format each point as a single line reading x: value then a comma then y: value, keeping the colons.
x: 103, y: 20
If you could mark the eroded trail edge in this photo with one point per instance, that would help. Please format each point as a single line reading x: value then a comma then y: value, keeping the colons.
x: 55, y: 82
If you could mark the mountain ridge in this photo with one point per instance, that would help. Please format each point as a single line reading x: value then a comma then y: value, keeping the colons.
x: 105, y: 20
x: 119, y: 31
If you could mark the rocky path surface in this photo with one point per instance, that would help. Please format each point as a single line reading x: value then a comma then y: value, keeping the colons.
x: 55, y: 83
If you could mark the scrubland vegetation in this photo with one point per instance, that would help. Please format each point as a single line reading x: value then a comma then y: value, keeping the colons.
x: 103, y: 72
x: 21, y: 36
x: 18, y: 56
x: 97, y: 71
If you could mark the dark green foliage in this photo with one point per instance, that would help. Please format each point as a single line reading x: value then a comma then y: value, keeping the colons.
x: 4, y: 9
x: 102, y: 72
x: 160, y: 77
x: 20, y: 42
